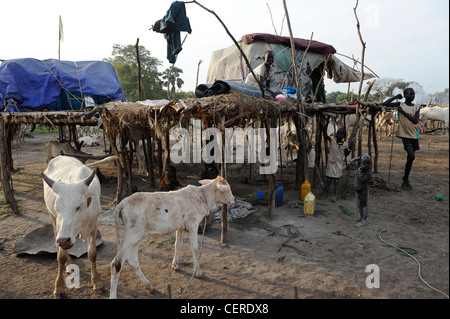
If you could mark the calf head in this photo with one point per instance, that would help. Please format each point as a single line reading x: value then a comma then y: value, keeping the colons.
x: 72, y: 202
x: 223, y: 194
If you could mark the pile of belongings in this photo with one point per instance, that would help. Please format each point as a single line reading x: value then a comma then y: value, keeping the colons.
x: 240, y: 209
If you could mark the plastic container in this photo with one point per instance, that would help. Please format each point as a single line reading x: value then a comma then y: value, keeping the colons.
x: 279, y: 189
x: 260, y: 195
x: 305, y: 189
x: 438, y: 197
x: 309, y: 204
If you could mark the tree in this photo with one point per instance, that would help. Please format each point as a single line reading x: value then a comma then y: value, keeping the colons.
x: 384, y: 87
x: 185, y: 95
x: 338, y: 97
x: 124, y: 61
x: 174, y: 81
x: 441, y: 97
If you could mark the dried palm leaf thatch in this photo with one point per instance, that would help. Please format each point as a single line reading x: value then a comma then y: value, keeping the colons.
x: 231, y: 109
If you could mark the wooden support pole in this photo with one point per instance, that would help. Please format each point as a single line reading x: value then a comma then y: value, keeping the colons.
x: 6, y: 172
x: 119, y: 182
x: 272, y: 177
x: 139, y: 69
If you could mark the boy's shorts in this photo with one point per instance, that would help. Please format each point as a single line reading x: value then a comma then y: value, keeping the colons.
x: 411, y: 141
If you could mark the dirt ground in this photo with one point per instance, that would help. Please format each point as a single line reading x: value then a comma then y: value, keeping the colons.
x: 291, y: 255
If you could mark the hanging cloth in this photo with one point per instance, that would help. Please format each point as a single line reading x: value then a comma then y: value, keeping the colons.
x: 173, y: 22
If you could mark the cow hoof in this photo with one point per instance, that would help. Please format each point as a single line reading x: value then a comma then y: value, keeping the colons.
x: 99, y: 291
x: 199, y: 275
x: 175, y: 267
x: 150, y: 289
x: 60, y: 296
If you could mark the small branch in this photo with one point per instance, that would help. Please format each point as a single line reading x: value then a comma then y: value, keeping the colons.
x: 198, y: 69
x: 235, y: 42
x: 299, y: 87
x: 363, y: 50
x: 271, y: 18
x: 139, y: 69
x: 294, y: 65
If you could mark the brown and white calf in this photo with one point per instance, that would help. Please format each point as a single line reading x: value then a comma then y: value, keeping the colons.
x: 72, y: 196
x: 161, y: 213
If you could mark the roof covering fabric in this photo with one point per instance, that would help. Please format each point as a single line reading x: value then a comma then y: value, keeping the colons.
x: 301, y: 44
x: 35, y: 84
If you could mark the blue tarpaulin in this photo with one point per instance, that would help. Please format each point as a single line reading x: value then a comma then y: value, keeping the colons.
x: 32, y: 84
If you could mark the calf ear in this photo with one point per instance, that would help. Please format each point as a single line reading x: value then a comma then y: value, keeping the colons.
x: 89, y: 201
x: 223, y: 188
x: 204, y: 181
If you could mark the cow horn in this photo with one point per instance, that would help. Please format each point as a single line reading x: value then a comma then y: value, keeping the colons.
x: 88, y: 180
x: 48, y: 180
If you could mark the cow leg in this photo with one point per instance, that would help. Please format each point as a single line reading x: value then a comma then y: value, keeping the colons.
x: 133, y: 260
x: 116, y: 268
x: 178, y: 244
x: 194, y: 247
x: 123, y: 253
x: 92, y: 254
x: 59, y: 292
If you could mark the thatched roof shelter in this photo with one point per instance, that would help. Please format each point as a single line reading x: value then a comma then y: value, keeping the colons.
x: 126, y: 124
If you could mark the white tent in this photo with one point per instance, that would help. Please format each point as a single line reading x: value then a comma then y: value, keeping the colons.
x: 228, y: 64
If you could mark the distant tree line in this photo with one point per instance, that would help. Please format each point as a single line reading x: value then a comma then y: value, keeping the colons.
x: 387, y: 87
x: 154, y: 83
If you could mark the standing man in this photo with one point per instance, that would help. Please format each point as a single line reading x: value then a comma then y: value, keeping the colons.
x: 408, y: 117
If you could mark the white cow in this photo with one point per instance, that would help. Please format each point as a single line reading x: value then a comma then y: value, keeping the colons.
x: 90, y: 140
x: 431, y: 113
x: 162, y: 213
x: 72, y: 197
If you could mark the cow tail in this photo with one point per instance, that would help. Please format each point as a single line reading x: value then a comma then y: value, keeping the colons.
x: 117, y: 218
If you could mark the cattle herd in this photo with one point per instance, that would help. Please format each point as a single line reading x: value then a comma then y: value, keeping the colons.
x: 72, y: 196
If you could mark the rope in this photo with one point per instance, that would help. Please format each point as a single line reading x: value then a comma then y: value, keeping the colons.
x: 79, y: 83
x: 196, y: 266
x: 67, y: 91
x: 420, y: 267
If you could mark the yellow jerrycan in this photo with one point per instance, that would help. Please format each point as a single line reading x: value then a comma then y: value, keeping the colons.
x: 309, y: 204
x: 305, y: 189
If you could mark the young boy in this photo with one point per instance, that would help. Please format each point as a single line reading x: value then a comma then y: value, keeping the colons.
x: 265, y: 73
x: 408, y: 117
x: 338, y: 152
x: 362, y: 177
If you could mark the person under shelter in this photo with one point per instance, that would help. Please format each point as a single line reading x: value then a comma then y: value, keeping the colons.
x: 265, y: 73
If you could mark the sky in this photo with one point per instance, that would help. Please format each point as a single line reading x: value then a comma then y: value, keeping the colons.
x: 405, y: 39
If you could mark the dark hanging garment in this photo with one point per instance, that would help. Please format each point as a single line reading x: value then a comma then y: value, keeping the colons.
x: 173, y: 22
